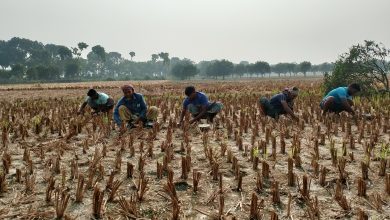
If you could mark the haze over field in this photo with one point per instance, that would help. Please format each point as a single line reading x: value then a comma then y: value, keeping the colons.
x: 275, y: 31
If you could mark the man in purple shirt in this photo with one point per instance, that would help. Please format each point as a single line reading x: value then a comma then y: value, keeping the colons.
x: 280, y: 104
x: 199, y: 106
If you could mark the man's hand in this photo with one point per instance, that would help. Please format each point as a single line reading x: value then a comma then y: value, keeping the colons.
x: 289, y: 110
x: 81, y: 110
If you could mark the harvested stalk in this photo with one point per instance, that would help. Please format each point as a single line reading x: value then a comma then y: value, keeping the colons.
x: 80, y: 189
x: 130, y: 169
x: 114, y: 189
x: 62, y: 200
x: 142, y: 187
x: 195, y: 178
x: 97, y: 203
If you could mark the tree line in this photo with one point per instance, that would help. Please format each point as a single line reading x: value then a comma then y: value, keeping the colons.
x: 24, y: 60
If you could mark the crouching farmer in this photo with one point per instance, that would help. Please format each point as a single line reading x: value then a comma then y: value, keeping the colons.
x: 131, y: 109
x: 280, y: 104
x: 199, y: 106
x: 340, y: 99
x: 98, y: 101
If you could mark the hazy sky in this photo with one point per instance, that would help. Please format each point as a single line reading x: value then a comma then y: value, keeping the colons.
x: 270, y: 30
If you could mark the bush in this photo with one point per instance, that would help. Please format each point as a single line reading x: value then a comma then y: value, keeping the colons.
x: 364, y: 64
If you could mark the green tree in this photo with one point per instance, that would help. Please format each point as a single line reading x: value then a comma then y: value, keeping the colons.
x: 4, y: 58
x: 42, y: 72
x: 165, y: 57
x: 114, y: 59
x: 5, y: 75
x: 31, y: 73
x: 132, y: 54
x: 72, y: 69
x: 166, y: 61
x: 38, y: 57
x: 82, y: 46
x: 260, y: 67
x: 154, y: 58
x: 240, y: 69
x: 79, y: 49
x: 184, y: 70
x: 100, y: 54
x: 17, y: 51
x: 304, y: 67
x: 279, y: 68
x: 64, y: 53
x: 202, y: 67
x: 291, y: 67
x: 220, y: 68
x: 18, y: 71
x: 366, y: 64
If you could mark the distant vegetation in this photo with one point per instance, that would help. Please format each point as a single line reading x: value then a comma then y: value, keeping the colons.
x: 24, y: 60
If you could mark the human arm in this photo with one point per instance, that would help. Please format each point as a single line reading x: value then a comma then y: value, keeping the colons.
x: 183, y: 113
x: 346, y: 103
x: 288, y: 110
x: 81, y: 110
x: 203, y: 110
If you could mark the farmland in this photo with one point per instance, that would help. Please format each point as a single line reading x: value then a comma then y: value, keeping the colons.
x: 56, y: 163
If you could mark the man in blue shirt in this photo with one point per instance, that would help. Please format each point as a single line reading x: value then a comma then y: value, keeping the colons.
x: 98, y: 101
x: 132, y: 109
x: 199, y: 106
x: 340, y: 99
x: 280, y: 104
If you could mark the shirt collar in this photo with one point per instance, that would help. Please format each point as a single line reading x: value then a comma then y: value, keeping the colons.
x: 134, y: 97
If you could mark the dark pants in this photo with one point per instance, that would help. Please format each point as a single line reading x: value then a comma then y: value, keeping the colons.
x: 334, y: 107
x: 212, y: 110
x: 269, y: 109
x: 105, y: 108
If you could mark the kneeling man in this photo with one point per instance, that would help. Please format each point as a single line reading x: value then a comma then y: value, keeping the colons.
x: 199, y: 106
x: 131, y: 109
x: 340, y: 99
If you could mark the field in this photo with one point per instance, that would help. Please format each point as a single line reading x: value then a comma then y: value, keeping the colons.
x: 56, y: 164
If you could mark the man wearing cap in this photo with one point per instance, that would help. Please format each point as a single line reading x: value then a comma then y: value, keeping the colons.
x: 340, y: 99
x: 131, y: 109
x: 280, y: 104
x: 98, y: 101
x: 199, y: 106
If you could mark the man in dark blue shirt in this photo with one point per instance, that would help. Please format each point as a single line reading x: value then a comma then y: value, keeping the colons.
x: 280, y: 104
x: 131, y: 109
x: 199, y: 106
